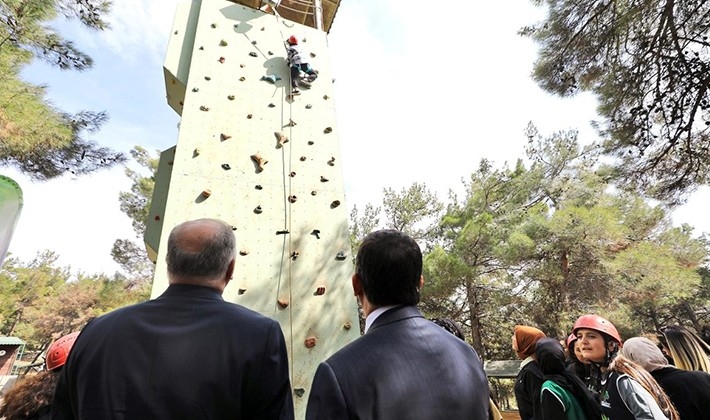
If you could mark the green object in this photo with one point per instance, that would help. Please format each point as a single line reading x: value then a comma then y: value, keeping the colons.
x: 10, y: 207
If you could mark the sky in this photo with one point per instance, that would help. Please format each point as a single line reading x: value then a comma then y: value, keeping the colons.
x: 422, y: 95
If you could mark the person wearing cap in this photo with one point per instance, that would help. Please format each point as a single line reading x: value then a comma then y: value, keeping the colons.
x: 623, y: 390
x: 563, y: 395
x: 32, y: 397
x: 689, y: 391
x: 298, y: 63
x: 404, y: 366
x: 529, y: 380
x: 188, y: 354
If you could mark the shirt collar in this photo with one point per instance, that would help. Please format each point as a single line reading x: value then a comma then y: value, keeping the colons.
x: 375, y: 314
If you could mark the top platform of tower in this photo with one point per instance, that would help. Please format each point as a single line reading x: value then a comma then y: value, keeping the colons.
x: 299, y: 11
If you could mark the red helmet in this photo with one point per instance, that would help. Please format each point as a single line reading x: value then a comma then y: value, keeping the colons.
x: 59, y: 350
x: 571, y: 339
x: 293, y: 40
x: 597, y: 323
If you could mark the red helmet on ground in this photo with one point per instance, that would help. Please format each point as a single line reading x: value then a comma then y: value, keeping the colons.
x: 59, y: 350
x: 597, y: 323
x: 571, y: 339
x: 293, y: 40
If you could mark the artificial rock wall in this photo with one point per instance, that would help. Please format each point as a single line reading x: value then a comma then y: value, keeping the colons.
x: 266, y: 163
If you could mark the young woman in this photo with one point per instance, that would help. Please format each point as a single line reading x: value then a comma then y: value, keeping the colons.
x: 529, y: 379
x: 686, y: 348
x: 624, y: 391
x: 564, y: 396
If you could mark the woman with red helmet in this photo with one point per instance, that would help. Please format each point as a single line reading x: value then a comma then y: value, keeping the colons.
x: 32, y: 397
x: 624, y: 393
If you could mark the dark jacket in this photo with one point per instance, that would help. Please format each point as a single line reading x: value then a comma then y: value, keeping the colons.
x: 186, y: 355
x: 405, y: 367
x: 689, y: 391
x: 527, y: 391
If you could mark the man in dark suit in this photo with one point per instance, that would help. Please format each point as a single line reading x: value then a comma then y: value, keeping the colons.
x: 187, y: 354
x: 404, y: 367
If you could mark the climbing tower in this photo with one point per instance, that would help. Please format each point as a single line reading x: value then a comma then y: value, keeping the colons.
x: 265, y: 162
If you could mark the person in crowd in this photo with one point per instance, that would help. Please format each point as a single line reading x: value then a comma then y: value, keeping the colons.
x: 687, y: 350
x: 31, y: 398
x: 451, y: 326
x: 298, y: 63
x: 529, y: 380
x: 689, y: 391
x: 404, y: 366
x: 187, y: 354
x: 563, y: 395
x: 625, y: 391
x: 575, y: 362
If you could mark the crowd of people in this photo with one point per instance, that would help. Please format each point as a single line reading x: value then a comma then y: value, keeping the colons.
x: 188, y: 354
x: 594, y: 374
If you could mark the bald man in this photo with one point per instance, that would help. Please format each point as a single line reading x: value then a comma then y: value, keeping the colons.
x: 187, y: 354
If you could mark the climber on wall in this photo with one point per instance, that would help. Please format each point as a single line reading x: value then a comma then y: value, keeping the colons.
x: 298, y: 63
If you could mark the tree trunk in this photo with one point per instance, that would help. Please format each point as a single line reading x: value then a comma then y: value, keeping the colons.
x: 474, y: 309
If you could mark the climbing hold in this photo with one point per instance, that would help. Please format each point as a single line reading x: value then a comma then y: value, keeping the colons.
x: 340, y: 256
x: 299, y: 392
x: 234, y: 228
x: 204, y: 108
x: 347, y: 325
x: 313, y: 55
x: 201, y: 48
x: 271, y: 105
x: 241, y: 291
x: 156, y: 218
x: 292, y: 174
x: 292, y: 198
x: 176, y: 32
x: 208, y: 78
x: 222, y: 43
x: 320, y: 291
x: 195, y: 89
x: 249, y: 116
x: 224, y: 136
x: 314, y: 192
x: 195, y: 152
x: 295, y: 255
x: 281, y: 138
x: 253, y: 54
x: 310, y: 142
x: 236, y: 25
x: 263, y: 28
x: 230, y: 97
x: 323, y: 179
x: 282, y: 303
x: 271, y: 78
x: 331, y: 162
x: 309, y: 106
x: 181, y: 104
x: 226, y: 166
x: 270, y: 53
x: 282, y: 232
x: 303, y: 158
x: 310, y: 342
x: 221, y: 60
x: 328, y: 130
x: 326, y: 97
x: 259, y: 161
x: 316, y: 233
x: 243, y: 252
x: 258, y: 210
x: 206, y: 193
x: 334, y: 204
x: 291, y: 123
x: 253, y: 42
x: 214, y: 25
x: 241, y: 65
x: 241, y: 79
x: 259, y: 187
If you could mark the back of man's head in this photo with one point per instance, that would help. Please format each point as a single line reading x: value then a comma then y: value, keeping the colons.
x: 200, y: 252
x: 389, y: 265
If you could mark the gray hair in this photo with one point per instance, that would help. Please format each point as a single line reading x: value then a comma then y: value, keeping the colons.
x: 208, y: 262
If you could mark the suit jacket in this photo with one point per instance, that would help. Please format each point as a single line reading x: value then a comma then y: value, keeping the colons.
x: 186, y: 355
x: 405, y: 367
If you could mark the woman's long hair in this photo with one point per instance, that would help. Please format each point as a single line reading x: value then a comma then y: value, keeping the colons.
x: 29, y: 395
x: 624, y: 366
x: 688, y: 350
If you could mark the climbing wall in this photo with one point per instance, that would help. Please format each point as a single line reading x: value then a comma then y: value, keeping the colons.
x: 266, y: 163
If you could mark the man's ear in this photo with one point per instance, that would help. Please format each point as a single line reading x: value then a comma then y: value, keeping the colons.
x: 421, y: 282
x: 230, y: 271
x: 357, y: 285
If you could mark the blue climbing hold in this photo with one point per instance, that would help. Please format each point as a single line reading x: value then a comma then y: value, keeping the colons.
x: 272, y: 78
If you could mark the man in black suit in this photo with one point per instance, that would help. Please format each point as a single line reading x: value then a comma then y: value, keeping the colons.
x: 404, y: 367
x: 187, y: 354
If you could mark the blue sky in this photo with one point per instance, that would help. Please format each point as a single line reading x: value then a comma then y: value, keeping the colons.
x: 422, y: 95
